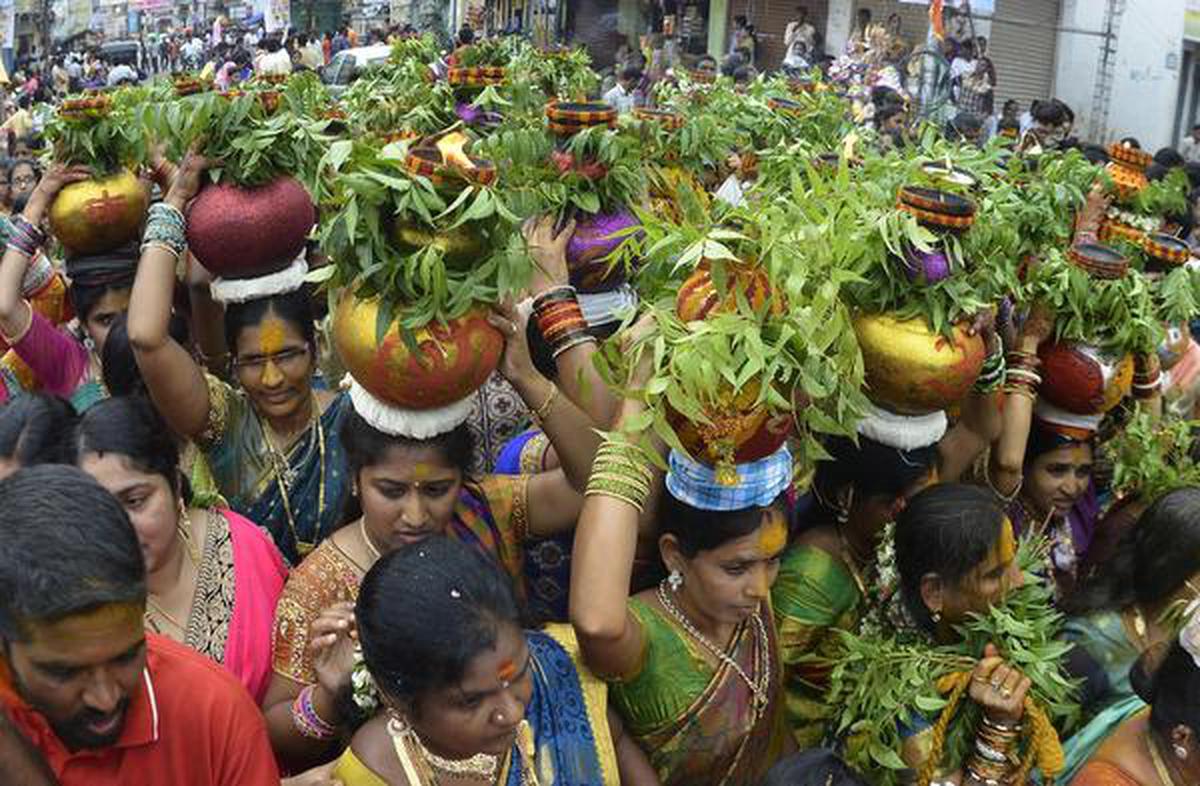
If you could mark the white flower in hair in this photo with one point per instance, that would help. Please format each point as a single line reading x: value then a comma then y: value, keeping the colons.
x: 1189, y: 635
x: 362, y: 684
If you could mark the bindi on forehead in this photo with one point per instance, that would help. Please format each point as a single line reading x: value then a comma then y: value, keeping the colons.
x: 271, y: 335
x: 772, y: 534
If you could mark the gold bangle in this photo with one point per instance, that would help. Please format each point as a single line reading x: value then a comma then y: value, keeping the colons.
x: 541, y: 413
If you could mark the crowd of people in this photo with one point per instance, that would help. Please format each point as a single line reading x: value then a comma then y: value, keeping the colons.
x: 224, y: 564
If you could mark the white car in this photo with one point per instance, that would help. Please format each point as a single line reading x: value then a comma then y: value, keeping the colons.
x: 349, y: 63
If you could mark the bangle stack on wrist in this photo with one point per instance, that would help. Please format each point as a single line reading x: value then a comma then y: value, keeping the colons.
x: 560, y: 319
x: 1147, y: 377
x: 306, y: 719
x: 992, y: 374
x: 619, y: 472
x: 165, y: 229
x: 991, y: 761
x: 24, y: 238
x: 1020, y: 376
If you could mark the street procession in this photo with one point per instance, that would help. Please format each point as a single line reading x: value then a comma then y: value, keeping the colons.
x: 450, y: 401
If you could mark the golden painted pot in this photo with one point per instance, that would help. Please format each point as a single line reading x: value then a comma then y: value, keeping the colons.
x: 911, y: 370
x: 95, y: 216
x: 1082, y: 379
x: 461, y: 247
x: 452, y: 360
x: 739, y: 431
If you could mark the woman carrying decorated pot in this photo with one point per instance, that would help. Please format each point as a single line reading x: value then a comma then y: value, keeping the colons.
x: 1041, y: 466
x: 482, y: 701
x: 693, y: 666
x: 213, y: 576
x: 1160, y: 745
x: 61, y: 362
x: 548, y: 560
x: 830, y: 572
x: 411, y: 470
x: 1128, y: 608
x: 273, y: 443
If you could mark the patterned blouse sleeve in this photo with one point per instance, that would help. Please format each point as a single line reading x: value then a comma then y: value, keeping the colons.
x: 507, y: 499
x: 223, y: 403
x: 319, y: 582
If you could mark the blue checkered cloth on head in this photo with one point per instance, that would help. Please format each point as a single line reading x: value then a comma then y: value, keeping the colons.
x: 759, y: 482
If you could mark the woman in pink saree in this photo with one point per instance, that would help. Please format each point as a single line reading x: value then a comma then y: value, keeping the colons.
x: 213, y: 577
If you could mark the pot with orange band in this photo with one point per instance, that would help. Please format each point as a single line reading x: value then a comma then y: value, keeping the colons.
x: 1165, y: 252
x: 566, y: 118
x: 1100, y: 261
x: 672, y: 121
x: 937, y: 209
x: 1083, y: 379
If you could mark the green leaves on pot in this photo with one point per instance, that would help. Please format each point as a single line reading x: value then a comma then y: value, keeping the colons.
x: 1177, y: 295
x: 883, y: 682
x: 1116, y: 314
x: 105, y: 135
x: 427, y: 252
x: 1152, y: 456
x: 254, y: 135
x: 798, y: 340
x: 1164, y: 197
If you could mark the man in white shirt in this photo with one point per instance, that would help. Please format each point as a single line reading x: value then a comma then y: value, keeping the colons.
x: 800, y: 37
x: 276, y: 62
x: 621, y: 97
x: 1189, y: 147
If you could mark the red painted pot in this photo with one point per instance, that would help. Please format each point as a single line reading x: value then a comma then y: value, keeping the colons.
x: 1081, y: 379
x: 451, y: 362
x: 239, y: 232
x: 738, y: 432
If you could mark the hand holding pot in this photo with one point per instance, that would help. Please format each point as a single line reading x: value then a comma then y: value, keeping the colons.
x: 57, y: 177
x: 1038, y: 326
x: 517, y: 364
x: 549, y: 252
x: 187, y: 181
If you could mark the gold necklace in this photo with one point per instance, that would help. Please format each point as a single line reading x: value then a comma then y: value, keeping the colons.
x: 853, y: 563
x: 1160, y: 766
x: 285, y: 476
x: 362, y: 530
x: 481, y: 765
x: 183, y: 526
x: 760, y: 689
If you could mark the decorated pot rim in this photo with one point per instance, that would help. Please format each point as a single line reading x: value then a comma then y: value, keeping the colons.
x: 476, y: 76
x: 1111, y: 230
x: 937, y: 201
x: 785, y: 105
x: 1167, y: 248
x: 664, y: 117
x: 427, y: 162
x: 1131, y: 156
x: 1099, y: 260
x: 580, y: 112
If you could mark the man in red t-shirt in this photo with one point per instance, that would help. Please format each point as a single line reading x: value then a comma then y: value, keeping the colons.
x: 98, y: 699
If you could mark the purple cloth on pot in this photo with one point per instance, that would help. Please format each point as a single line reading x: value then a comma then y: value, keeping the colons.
x: 591, y: 243
x: 927, y: 266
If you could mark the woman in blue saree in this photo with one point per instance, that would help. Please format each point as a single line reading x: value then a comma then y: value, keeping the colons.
x: 461, y: 694
x: 271, y: 439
